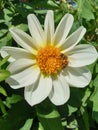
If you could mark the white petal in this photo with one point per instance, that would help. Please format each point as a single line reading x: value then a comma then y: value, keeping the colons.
x: 49, y: 27
x: 13, y: 83
x: 40, y: 90
x: 78, y: 77
x: 36, y: 29
x: 82, y: 55
x: 27, y: 76
x: 60, y: 92
x: 24, y: 40
x: 73, y: 39
x: 63, y: 29
x: 15, y: 53
x: 20, y: 65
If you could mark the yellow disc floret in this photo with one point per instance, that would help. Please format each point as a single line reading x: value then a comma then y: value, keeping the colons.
x: 49, y: 60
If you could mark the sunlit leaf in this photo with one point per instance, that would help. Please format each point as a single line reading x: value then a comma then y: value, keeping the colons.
x: 3, y: 32
x: 40, y: 127
x: 4, y: 60
x: 13, y: 99
x: 49, y: 117
x: 2, y: 107
x: 2, y: 91
x: 27, y: 125
x: 4, y: 74
x: 85, y: 9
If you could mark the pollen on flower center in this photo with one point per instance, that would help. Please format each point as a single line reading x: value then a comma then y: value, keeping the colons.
x: 50, y: 60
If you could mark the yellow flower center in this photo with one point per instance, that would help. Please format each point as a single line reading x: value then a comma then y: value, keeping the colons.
x: 50, y: 60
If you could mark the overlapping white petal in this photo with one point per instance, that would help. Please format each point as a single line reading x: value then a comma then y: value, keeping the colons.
x: 63, y: 29
x: 77, y: 77
x: 60, y: 91
x: 20, y: 65
x: 36, y: 30
x: 49, y: 27
x: 82, y: 55
x: 27, y: 76
x: 13, y: 83
x: 23, y: 39
x: 73, y: 39
x: 15, y: 53
x: 38, y: 91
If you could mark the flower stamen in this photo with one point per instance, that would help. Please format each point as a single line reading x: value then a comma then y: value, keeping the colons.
x: 50, y: 60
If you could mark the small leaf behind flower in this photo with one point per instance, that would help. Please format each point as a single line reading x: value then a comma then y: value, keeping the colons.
x: 2, y: 91
x: 4, y: 60
x: 4, y: 74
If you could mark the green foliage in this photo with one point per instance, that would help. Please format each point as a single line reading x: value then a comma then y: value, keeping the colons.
x: 12, y: 100
x: 2, y: 91
x: 3, y: 73
x: 49, y: 116
x: 27, y: 125
x: 81, y: 111
x: 85, y: 9
x: 94, y: 99
x: 16, y: 116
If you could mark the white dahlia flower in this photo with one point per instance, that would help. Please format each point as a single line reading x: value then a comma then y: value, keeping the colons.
x: 49, y: 61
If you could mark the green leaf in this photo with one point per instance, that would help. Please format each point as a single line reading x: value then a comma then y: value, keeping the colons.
x: 86, y: 96
x: 7, y: 14
x: 49, y: 116
x: 2, y: 91
x: 96, y: 68
x: 85, y: 9
x: 85, y: 117
x: 3, y: 32
x: 71, y: 109
x: 40, y: 11
x: 95, y: 114
x: 23, y: 9
x: 96, y: 82
x: 52, y: 3
x: 73, y: 125
x: 40, y: 127
x: 4, y: 74
x: 1, y: 4
x: 2, y: 106
x: 13, y: 99
x: 87, y: 13
x: 16, y: 116
x: 4, y: 60
x: 58, y: 16
x: 6, y: 40
x: 27, y: 125
x: 76, y: 96
x: 94, y: 99
x: 92, y: 67
x: 24, y: 27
